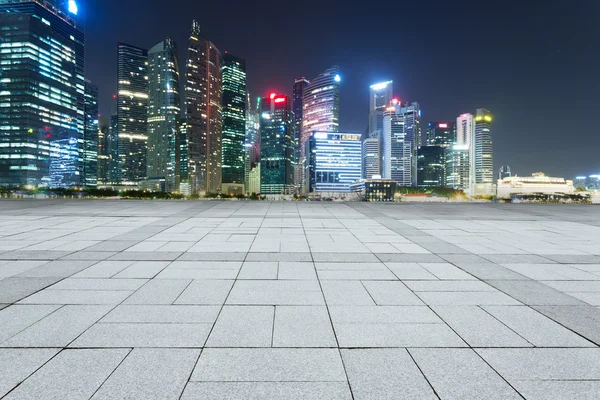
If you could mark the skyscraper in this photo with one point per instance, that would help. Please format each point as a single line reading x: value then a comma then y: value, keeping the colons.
x: 234, y: 124
x: 396, y: 148
x: 431, y: 166
x: 484, y: 156
x: 320, y: 106
x: 465, y: 138
x: 276, y: 145
x: 380, y: 98
x: 132, y: 112
x: 252, y: 144
x: 41, y: 93
x: 164, y: 112
x: 90, y: 135
x: 103, y: 153
x: 457, y: 166
x: 297, y: 102
x: 333, y: 161
x: 203, y: 113
x: 371, y: 158
x: 441, y: 133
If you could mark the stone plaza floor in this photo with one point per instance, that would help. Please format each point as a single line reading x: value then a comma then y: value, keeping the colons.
x: 258, y: 300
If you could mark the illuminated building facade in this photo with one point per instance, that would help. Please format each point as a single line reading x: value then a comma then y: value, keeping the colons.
x: 538, y: 183
x: 441, y: 133
x: 41, y: 93
x: 276, y: 145
x: 103, y: 153
x: 234, y: 124
x: 163, y: 115
x: 465, y: 137
x: 396, y: 149
x: 297, y: 102
x: 90, y: 135
x: 457, y: 166
x: 484, y: 152
x: 333, y: 161
x: 252, y: 143
x: 321, y: 105
x: 380, y: 98
x: 371, y: 158
x: 431, y: 166
x: 203, y: 113
x: 132, y: 113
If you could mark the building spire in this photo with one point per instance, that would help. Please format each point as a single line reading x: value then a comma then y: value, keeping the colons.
x: 195, y: 27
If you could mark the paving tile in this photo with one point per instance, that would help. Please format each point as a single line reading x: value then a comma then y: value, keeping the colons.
x: 162, y: 314
x: 72, y: 374
x: 205, y: 292
x: 466, y: 298
x: 98, y: 284
x: 212, y: 257
x: 289, y: 257
x: 385, y: 374
x: 449, y: 286
x: 59, y: 328
x: 581, y: 319
x: 18, y: 317
x: 544, y: 364
x: 57, y: 269
x: 478, y: 328
x: 159, y: 291
x: 558, y: 390
x: 144, y: 335
x: 259, y: 270
x: 446, y: 271
x: 290, y: 270
x: 303, y: 326
x: 276, y: 293
x: 269, y: 365
x: 150, y: 374
x: 535, y: 327
x: 142, y: 269
x: 407, y: 271
x: 17, y: 364
x: 89, y: 255
x: 267, y: 390
x: 48, y: 296
x: 461, y: 374
x: 353, y: 271
x: 243, y: 326
x: 391, y: 293
x: 396, y: 335
x: 346, y: 293
x: 103, y: 269
x: 14, y: 289
x: 490, y: 271
x: 534, y: 293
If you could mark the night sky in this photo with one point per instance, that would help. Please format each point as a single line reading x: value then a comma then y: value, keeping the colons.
x: 534, y: 64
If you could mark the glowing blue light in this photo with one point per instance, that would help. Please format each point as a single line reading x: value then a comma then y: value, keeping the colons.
x: 337, y: 78
x: 73, y: 9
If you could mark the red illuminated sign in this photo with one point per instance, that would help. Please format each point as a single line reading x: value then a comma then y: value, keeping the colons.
x: 442, y: 125
x: 279, y: 100
x: 272, y: 96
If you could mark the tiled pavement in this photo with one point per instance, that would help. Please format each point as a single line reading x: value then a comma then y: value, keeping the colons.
x: 258, y: 300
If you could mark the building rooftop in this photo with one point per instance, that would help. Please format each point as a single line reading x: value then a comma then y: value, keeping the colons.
x: 259, y: 300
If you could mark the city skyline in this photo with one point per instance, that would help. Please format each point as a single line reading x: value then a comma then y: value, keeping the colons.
x: 525, y: 71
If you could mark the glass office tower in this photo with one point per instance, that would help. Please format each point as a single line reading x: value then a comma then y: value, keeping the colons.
x: 164, y: 113
x: 132, y: 113
x: 203, y: 113
x: 276, y: 146
x: 233, y: 74
x: 90, y: 135
x: 41, y: 94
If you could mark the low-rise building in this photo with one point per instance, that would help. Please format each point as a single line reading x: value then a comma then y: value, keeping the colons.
x: 375, y: 189
x: 537, y: 183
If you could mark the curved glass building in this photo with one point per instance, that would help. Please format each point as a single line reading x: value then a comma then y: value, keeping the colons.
x: 320, y: 106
